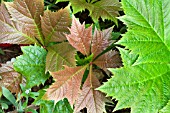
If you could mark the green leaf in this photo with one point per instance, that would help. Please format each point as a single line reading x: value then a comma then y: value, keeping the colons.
x: 83, y: 61
x: 32, y: 65
x: 59, y: 55
x: 7, y: 94
x: 143, y: 82
x: 104, y: 9
x: 166, y: 109
x: 63, y: 106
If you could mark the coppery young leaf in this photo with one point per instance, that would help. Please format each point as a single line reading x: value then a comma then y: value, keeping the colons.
x: 90, y: 98
x: 59, y: 55
x: 27, y: 13
x: 12, y: 32
x: 54, y: 25
x: 67, y: 84
x: 101, y: 41
x: 10, y: 78
x: 80, y: 38
x: 110, y: 59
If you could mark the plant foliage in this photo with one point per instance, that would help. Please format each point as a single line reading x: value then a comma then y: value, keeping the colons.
x: 143, y: 82
x: 105, y: 10
x: 68, y: 82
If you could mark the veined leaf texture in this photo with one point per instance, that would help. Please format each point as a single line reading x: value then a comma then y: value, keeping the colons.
x: 143, y: 82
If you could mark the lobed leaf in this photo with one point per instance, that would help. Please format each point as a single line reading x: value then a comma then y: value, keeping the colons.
x: 54, y: 25
x: 9, y: 78
x: 105, y: 10
x: 90, y: 98
x: 67, y: 84
x: 143, y: 82
x: 32, y: 65
x: 27, y: 14
x: 12, y: 32
x: 80, y: 38
x: 59, y: 55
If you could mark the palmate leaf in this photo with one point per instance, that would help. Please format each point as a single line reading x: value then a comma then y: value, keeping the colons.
x: 104, y: 9
x: 67, y: 85
x: 12, y: 32
x: 54, y: 25
x: 81, y: 38
x: 28, y: 15
x: 90, y: 98
x: 9, y: 78
x: 59, y: 55
x: 143, y: 82
x: 32, y: 65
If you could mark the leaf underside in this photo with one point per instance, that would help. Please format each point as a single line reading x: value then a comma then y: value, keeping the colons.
x: 143, y: 82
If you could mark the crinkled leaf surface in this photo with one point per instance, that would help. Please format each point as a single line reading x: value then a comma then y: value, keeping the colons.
x: 9, y: 78
x: 54, y: 25
x: 12, y: 32
x: 59, y: 55
x: 67, y: 84
x: 32, y: 65
x: 90, y: 98
x: 143, y: 82
x: 104, y: 9
x: 28, y: 15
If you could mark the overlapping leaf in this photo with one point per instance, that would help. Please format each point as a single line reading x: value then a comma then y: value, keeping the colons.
x: 143, y: 82
x: 82, y: 40
x: 27, y: 14
x: 104, y: 9
x: 67, y: 84
x: 59, y: 55
x: 54, y: 25
x: 9, y: 78
x: 90, y: 98
x: 12, y: 32
x: 32, y: 65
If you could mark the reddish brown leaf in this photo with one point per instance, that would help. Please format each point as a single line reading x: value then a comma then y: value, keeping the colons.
x: 67, y: 84
x: 10, y: 31
x: 59, y: 55
x: 90, y: 98
x: 110, y: 59
x: 54, y: 25
x: 101, y: 41
x: 27, y: 13
x: 80, y: 38
x: 9, y: 78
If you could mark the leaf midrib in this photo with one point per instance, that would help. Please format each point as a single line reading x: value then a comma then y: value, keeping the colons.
x: 149, y: 24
